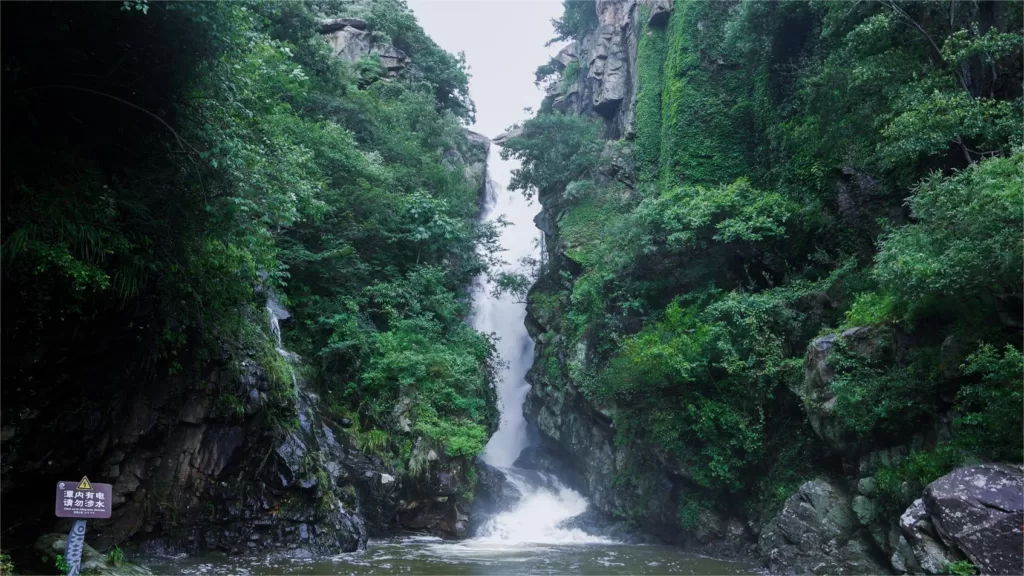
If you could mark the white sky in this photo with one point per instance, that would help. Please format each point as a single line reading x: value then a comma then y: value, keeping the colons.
x: 504, y: 44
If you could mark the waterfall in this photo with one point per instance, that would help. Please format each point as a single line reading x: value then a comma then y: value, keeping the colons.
x: 546, y: 503
x: 506, y: 317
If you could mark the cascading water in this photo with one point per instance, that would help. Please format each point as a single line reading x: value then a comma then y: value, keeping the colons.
x: 545, y: 503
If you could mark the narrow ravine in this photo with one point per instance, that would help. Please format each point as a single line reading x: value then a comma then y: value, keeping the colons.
x: 537, y: 534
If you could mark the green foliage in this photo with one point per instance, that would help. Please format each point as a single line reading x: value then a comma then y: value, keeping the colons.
x: 706, y: 129
x: 229, y: 152
x: 965, y: 241
x: 651, y: 49
x: 445, y: 73
x: 694, y: 216
x: 691, y: 512
x: 990, y: 412
x: 900, y: 483
x: 869, y: 308
x: 6, y: 565
x: 553, y: 150
x: 961, y: 568
x: 61, y: 564
x: 775, y: 142
x: 115, y: 555
x: 578, y: 18
x: 372, y: 441
x: 875, y: 395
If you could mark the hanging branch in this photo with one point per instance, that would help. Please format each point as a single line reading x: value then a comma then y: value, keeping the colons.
x: 181, y: 141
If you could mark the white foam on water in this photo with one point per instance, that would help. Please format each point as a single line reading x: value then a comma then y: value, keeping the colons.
x: 538, y: 517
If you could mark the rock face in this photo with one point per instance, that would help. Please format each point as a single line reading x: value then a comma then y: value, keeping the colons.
x: 604, y: 62
x: 193, y: 465
x: 817, y: 532
x: 217, y: 458
x: 437, y: 500
x: 351, y: 41
x: 975, y: 512
x: 494, y: 493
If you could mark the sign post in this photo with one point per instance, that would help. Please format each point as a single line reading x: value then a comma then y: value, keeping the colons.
x: 81, y: 500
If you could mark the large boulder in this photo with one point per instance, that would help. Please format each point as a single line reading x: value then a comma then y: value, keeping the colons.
x: 438, y: 498
x: 817, y: 532
x: 977, y: 512
x: 815, y: 389
x: 926, y: 550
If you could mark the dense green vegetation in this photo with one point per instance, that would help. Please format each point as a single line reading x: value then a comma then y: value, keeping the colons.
x: 775, y: 145
x: 166, y: 164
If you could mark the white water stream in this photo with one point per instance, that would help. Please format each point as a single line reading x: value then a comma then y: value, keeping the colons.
x: 545, y: 502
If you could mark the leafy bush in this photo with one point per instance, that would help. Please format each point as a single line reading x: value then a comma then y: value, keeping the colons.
x: 578, y: 18
x: 115, y: 555
x: 990, y: 412
x: 874, y: 395
x: 965, y: 243
x: 869, y: 308
x: 553, y: 150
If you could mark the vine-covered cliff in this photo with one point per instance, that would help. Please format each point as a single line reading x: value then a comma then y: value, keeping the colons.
x: 782, y: 289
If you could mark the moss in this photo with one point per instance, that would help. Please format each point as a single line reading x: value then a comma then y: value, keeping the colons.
x: 651, y: 50
x: 706, y: 125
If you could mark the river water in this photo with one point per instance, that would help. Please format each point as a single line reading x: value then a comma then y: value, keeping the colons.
x: 424, y: 555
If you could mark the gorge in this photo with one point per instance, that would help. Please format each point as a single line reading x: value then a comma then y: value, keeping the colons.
x: 739, y: 292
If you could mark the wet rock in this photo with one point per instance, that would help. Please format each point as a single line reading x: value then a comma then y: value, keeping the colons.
x: 494, y: 493
x: 49, y: 546
x: 979, y: 511
x: 817, y: 532
x: 867, y: 486
x: 927, y: 549
x: 595, y: 523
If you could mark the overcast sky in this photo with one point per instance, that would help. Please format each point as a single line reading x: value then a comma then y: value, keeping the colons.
x: 504, y: 44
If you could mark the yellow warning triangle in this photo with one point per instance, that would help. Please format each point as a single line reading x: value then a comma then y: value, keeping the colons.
x: 84, y: 484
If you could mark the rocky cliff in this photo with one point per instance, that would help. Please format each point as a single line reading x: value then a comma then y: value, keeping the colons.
x: 848, y: 519
x: 239, y: 455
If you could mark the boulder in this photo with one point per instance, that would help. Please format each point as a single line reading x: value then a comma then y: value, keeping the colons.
x: 926, y: 549
x: 817, y: 532
x: 815, y: 390
x: 351, y: 41
x: 979, y: 511
x: 494, y: 492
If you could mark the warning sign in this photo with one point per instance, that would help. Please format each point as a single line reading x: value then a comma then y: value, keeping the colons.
x: 83, y: 499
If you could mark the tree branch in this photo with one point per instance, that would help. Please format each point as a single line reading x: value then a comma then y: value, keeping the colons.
x: 181, y: 141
